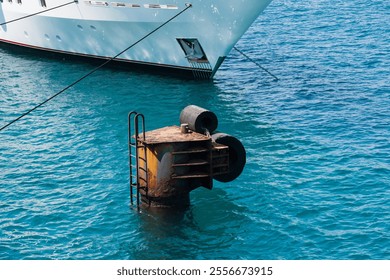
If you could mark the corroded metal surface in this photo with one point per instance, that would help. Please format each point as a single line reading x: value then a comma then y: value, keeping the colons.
x: 178, y: 163
x: 172, y: 134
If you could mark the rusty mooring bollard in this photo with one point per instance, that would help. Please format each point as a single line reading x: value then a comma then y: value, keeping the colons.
x: 166, y: 164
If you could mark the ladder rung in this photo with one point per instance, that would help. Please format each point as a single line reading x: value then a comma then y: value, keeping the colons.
x: 202, y: 162
x: 190, y: 151
x: 190, y: 176
x: 136, y: 148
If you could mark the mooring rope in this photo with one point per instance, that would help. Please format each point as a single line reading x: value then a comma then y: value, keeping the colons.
x: 41, y: 12
x: 261, y: 67
x: 95, y: 69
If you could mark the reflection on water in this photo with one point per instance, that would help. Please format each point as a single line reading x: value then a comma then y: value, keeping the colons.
x: 209, y: 227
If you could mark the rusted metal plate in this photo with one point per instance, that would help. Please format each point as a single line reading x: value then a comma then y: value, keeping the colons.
x: 172, y: 134
x: 220, y: 159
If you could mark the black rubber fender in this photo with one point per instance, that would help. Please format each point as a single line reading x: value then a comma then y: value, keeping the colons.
x: 237, y: 156
x: 198, y: 119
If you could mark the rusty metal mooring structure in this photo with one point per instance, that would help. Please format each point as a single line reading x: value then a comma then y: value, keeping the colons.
x: 166, y: 164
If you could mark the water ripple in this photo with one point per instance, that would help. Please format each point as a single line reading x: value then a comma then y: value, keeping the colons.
x: 316, y: 184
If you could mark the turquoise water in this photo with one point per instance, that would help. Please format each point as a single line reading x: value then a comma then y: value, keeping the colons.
x: 317, y: 180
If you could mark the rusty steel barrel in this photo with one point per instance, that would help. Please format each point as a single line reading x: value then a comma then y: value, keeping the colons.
x: 166, y: 164
x: 177, y: 163
x: 199, y: 119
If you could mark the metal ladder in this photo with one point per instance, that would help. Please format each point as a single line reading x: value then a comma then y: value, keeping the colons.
x: 138, y: 163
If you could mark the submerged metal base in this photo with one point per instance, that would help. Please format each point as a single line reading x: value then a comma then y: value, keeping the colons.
x: 180, y: 201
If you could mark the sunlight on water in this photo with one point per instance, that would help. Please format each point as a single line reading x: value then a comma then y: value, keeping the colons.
x: 316, y: 184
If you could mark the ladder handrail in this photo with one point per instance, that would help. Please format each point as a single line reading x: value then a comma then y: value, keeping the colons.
x: 136, y: 127
x: 130, y: 133
x: 138, y: 119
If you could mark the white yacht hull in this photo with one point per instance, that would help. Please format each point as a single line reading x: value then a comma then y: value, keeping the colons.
x: 196, y: 41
